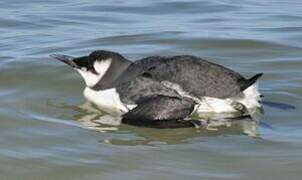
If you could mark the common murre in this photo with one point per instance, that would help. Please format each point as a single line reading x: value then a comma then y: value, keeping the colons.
x: 163, y: 92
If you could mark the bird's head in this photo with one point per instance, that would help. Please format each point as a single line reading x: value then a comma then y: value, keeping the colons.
x: 92, y: 67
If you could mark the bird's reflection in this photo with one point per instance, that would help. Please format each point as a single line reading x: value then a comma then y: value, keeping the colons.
x: 92, y: 118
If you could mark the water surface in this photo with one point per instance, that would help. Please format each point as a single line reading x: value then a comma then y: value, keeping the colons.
x: 45, y: 131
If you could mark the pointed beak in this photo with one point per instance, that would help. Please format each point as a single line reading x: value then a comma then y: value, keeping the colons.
x: 65, y: 59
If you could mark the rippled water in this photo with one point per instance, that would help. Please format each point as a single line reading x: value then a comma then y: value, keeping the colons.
x: 44, y: 128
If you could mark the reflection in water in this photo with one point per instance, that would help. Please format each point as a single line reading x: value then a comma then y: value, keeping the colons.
x: 183, y: 135
x: 93, y: 118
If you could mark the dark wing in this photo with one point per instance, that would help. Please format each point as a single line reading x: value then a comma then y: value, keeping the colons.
x: 200, y: 77
x: 141, y: 87
x: 157, y: 105
x: 161, y: 112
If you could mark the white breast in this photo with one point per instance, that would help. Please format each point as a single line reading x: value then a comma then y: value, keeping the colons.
x: 107, y: 100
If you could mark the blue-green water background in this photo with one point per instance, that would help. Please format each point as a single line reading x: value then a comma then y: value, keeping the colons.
x: 41, y: 136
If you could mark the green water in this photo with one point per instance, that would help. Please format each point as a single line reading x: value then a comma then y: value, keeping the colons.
x: 45, y: 133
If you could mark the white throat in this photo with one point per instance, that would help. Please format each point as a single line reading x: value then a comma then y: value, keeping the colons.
x: 101, y: 67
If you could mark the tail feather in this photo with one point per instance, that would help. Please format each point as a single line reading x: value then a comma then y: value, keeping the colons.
x: 251, y: 81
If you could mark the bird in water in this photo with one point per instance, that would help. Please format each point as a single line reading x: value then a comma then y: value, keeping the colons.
x: 164, y: 92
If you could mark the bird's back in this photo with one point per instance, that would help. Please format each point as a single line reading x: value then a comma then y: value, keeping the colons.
x: 195, y: 75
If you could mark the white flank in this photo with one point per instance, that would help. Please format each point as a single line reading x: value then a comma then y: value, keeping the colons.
x: 92, y: 79
x: 250, y: 100
x: 251, y: 97
x: 215, y: 105
x: 107, y: 100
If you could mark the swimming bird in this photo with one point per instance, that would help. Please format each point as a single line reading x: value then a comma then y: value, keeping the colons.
x: 163, y: 92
